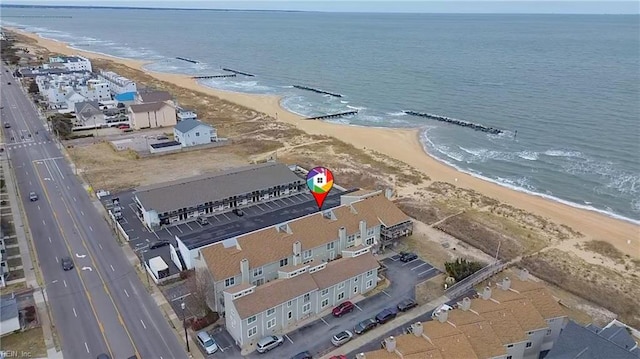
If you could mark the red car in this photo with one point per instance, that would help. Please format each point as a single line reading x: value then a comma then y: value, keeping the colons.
x: 123, y: 126
x: 342, y: 309
x: 339, y: 357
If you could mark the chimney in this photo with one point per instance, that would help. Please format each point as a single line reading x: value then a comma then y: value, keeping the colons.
x: 390, y: 344
x: 244, y: 269
x: 465, y: 304
x: 506, y: 283
x: 297, y: 249
x: 416, y: 329
x: 361, y: 356
x: 442, y: 315
x: 486, y: 293
x: 524, y: 274
x: 388, y: 193
x: 342, y: 234
x: 363, y: 232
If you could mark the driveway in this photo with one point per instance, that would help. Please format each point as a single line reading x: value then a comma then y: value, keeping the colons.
x: 316, y: 336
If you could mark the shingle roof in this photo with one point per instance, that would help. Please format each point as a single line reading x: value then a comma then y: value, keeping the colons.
x: 211, y: 187
x: 147, y: 107
x: 93, y: 106
x: 618, y: 335
x: 456, y: 346
x: 185, y: 126
x: 269, y: 245
x: 576, y: 341
x: 155, y: 96
x: 342, y: 269
x: 8, y: 307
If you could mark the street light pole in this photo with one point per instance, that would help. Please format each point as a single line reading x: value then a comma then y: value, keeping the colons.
x: 144, y: 268
x: 184, y: 325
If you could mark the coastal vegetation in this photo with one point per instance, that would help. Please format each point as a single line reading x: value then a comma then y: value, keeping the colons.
x: 462, y: 268
x: 452, y: 222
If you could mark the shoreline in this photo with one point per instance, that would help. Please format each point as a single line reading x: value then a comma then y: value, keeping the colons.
x: 403, y: 145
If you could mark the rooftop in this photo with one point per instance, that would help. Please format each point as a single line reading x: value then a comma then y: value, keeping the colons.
x: 155, y: 96
x: 576, y: 341
x: 212, y: 187
x: 147, y: 107
x: 279, y: 291
x: 271, y: 244
x: 188, y: 125
x: 8, y: 307
x: 241, y: 226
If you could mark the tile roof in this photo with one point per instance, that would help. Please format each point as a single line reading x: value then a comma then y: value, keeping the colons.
x: 269, y: 245
x: 155, y: 96
x: 211, y: 187
x: 483, y: 339
x: 274, y: 293
x: 281, y: 290
x: 147, y: 107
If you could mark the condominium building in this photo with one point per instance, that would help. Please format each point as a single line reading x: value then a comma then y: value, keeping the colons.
x: 72, y: 63
x: 64, y: 91
x: 118, y: 84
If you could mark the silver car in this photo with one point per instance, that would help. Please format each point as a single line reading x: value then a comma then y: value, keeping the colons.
x: 341, y: 338
x: 267, y: 343
x: 207, y: 343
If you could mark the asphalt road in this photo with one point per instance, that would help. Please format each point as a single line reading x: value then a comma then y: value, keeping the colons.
x: 100, y: 306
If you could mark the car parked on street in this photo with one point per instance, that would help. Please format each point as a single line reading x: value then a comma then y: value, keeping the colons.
x: 364, y: 326
x: 238, y: 212
x: 386, y: 315
x: 339, y: 357
x: 207, y: 343
x: 158, y: 244
x: 406, y: 305
x: 342, y: 308
x: 304, y: 355
x: 203, y: 221
x: 407, y: 257
x: 67, y: 263
x: 33, y: 196
x: 7, y: 125
x: 267, y: 343
x: 341, y: 338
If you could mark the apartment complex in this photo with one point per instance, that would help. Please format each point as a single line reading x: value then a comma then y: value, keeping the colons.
x: 72, y: 63
x: 65, y: 90
x: 518, y: 319
x: 304, y: 266
x: 152, y: 109
x: 177, y: 201
x: 118, y: 84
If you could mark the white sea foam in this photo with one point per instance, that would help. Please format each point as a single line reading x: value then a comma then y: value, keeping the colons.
x: 561, y: 153
x: 356, y: 108
x: 528, y: 155
x: 397, y: 114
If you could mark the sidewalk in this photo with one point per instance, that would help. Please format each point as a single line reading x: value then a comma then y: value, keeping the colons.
x: 29, y: 264
x: 400, y: 321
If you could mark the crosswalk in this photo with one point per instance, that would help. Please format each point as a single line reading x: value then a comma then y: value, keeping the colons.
x: 25, y: 144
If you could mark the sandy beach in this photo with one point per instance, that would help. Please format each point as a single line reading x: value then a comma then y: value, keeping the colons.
x: 403, y: 145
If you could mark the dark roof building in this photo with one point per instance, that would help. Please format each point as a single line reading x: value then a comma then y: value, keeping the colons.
x: 154, y: 96
x: 578, y: 342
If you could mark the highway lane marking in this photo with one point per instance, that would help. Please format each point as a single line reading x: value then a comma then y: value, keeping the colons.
x: 91, y: 228
x: 145, y: 327
x: 58, y: 168
x: 75, y: 200
x: 43, y: 222
x: 113, y: 270
x: 68, y: 188
x: 49, y: 239
x: 86, y: 346
x: 57, y: 259
x: 100, y: 245
x: 125, y: 292
x: 74, y: 312
x: 82, y: 213
x: 30, y: 184
x: 65, y: 283
x: 38, y: 207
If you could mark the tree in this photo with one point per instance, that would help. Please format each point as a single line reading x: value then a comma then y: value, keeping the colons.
x: 33, y: 88
x: 200, y: 286
x: 461, y: 268
x: 62, y: 125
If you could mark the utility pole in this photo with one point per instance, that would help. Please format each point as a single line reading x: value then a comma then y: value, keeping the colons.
x: 184, y: 325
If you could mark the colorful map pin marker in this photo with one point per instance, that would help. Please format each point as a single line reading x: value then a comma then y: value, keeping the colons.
x: 320, y: 182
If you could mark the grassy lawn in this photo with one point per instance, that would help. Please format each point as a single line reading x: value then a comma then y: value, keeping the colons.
x: 12, y: 288
x: 29, y: 343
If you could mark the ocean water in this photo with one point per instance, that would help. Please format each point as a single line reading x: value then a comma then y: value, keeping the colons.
x: 568, y: 84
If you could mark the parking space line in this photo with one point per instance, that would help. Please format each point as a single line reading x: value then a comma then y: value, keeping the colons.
x: 168, y: 231
x: 395, y: 258
x: 267, y: 204
x: 178, y: 227
x: 419, y: 265
x: 227, y: 217
x: 286, y: 336
x: 325, y: 322
x: 155, y: 234
x: 427, y: 271
x: 216, y: 218
x: 355, y: 305
x: 260, y: 208
x: 188, y: 226
x: 410, y: 262
x: 387, y: 294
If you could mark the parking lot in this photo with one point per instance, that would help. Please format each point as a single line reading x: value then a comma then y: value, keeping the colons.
x: 316, y: 336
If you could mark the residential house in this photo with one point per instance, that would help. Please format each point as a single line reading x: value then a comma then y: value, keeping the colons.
x: 172, y: 202
x: 118, y: 84
x: 185, y: 114
x: 154, y: 96
x: 301, y: 291
x: 304, y: 243
x: 9, y: 319
x: 193, y: 132
x: 519, y: 319
x: 152, y: 115
x: 88, y: 115
x: 72, y: 63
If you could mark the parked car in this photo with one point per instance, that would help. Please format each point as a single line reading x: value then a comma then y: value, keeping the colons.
x: 127, y: 130
x: 33, y: 196
x: 267, y: 343
x: 67, y: 263
x: 123, y: 126
x: 385, y: 315
x: 304, y: 355
x: 342, y: 308
x: 341, y: 338
x: 7, y: 125
x: 408, y: 257
x: 238, y: 212
x: 158, y: 244
x: 407, y: 304
x: 339, y: 357
x: 104, y: 356
x: 8, y: 83
x: 203, y: 221
x: 159, y: 138
x: 207, y: 343
x: 364, y: 326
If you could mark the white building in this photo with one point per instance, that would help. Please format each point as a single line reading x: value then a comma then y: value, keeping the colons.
x: 65, y: 90
x: 118, y: 84
x: 185, y: 114
x: 73, y: 63
x: 193, y: 132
